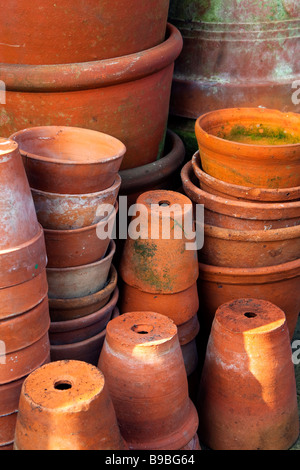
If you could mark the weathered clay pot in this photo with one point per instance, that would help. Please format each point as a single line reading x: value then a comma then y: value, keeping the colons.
x: 187, y: 335
x: 79, y: 247
x: 254, y: 147
x: 106, y: 30
x: 7, y: 427
x: 154, y: 262
x: 190, y: 357
x: 218, y: 285
x: 251, y: 248
x: 80, y: 281
x: 65, y: 405
x: 247, y: 394
x: 69, y: 160
x: 69, y: 309
x: 73, y: 211
x: 143, y: 365
x: 88, y: 350
x: 22, y: 254
x: 18, y: 364
x: 23, y: 297
x: 239, y: 215
x: 106, y: 95
x: 233, y: 191
x: 180, y: 307
x: 9, y: 396
x: 80, y: 329
x: 23, y: 330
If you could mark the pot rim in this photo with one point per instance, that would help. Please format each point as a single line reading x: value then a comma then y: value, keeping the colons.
x: 94, y: 74
x: 231, y: 188
x: 280, y: 234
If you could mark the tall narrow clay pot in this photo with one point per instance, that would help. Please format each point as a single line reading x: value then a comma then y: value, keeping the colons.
x: 247, y: 394
x: 143, y: 365
x: 65, y: 405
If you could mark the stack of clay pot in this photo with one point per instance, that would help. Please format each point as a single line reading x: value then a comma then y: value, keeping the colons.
x: 158, y: 268
x: 24, y: 310
x: 247, y: 176
x: 143, y: 366
x: 73, y: 175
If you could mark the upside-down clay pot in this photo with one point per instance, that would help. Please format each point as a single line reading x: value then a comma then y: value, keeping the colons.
x: 254, y: 147
x: 73, y: 211
x: 106, y: 30
x: 69, y: 160
x: 7, y: 427
x: 155, y: 260
x: 22, y: 254
x: 276, y: 284
x: 80, y: 281
x: 247, y: 394
x: 65, y: 405
x: 143, y: 365
x: 239, y: 215
x: 68, y: 309
x: 234, y: 191
x: 103, y: 95
x: 79, y: 247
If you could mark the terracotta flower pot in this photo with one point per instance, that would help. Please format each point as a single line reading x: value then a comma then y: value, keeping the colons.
x: 23, y: 297
x: 23, y: 330
x: 187, y: 335
x: 233, y: 191
x: 144, y: 369
x: 255, y: 147
x: 104, y: 95
x: 218, y: 285
x: 7, y: 427
x: 239, y: 215
x: 9, y: 396
x: 69, y: 309
x: 154, y: 262
x: 69, y: 160
x: 79, y: 247
x: 190, y: 357
x: 65, y: 405
x: 18, y: 364
x: 247, y: 394
x: 106, y: 30
x: 251, y: 248
x: 87, y: 350
x: 73, y: 211
x: 80, y: 281
x: 180, y: 307
x: 80, y: 329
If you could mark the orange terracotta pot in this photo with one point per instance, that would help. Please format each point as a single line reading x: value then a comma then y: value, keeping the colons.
x: 7, y: 427
x: 106, y: 30
x: 103, y: 95
x: 88, y: 350
x: 218, y: 285
x: 73, y: 211
x: 233, y: 191
x: 23, y: 330
x: 180, y: 307
x: 69, y: 309
x: 143, y: 365
x: 9, y: 396
x: 251, y: 248
x: 18, y: 364
x: 80, y: 281
x: 69, y: 160
x: 255, y: 147
x: 239, y: 215
x: 247, y: 394
x: 65, y: 405
x: 80, y: 329
x: 79, y: 247
x: 155, y: 261
x: 23, y: 297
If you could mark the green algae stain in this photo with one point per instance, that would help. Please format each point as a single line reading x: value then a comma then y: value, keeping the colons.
x: 259, y: 135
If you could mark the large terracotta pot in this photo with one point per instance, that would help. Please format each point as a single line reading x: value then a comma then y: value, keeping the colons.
x: 65, y: 405
x: 254, y: 147
x: 228, y: 40
x: 76, y: 31
x: 106, y: 95
x: 247, y: 394
x: 145, y: 373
